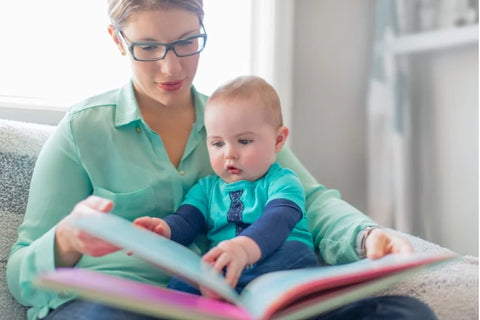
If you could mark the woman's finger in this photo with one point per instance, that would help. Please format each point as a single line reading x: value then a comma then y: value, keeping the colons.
x: 98, y: 203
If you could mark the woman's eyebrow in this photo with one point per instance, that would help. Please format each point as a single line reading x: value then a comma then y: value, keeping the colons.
x: 184, y: 35
x: 188, y: 33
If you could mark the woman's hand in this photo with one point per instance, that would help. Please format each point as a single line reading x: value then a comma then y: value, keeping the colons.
x: 71, y: 243
x: 156, y: 225
x: 380, y: 243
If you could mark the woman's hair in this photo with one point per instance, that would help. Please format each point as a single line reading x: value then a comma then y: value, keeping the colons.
x: 120, y: 10
x: 252, y: 88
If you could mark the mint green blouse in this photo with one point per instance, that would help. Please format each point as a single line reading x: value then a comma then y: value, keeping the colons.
x: 103, y: 147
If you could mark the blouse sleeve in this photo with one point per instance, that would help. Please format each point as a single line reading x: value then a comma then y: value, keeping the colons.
x: 333, y: 222
x: 58, y: 183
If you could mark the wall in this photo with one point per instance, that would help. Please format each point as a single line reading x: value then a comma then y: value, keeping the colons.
x: 332, y: 41
x: 446, y: 151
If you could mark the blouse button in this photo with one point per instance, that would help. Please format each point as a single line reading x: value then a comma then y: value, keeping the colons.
x: 138, y: 130
x: 181, y: 172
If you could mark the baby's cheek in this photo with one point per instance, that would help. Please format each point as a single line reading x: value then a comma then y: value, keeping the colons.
x: 217, y: 164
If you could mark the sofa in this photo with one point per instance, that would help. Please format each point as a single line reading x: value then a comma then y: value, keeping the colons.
x: 450, y: 289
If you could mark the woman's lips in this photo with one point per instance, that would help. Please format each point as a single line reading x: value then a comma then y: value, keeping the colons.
x: 170, y: 86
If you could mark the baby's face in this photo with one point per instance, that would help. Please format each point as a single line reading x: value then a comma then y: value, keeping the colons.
x: 241, y: 143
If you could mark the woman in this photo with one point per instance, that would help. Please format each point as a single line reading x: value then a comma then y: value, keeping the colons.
x: 135, y: 151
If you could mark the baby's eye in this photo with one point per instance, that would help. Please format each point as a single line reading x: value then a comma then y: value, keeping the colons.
x: 217, y: 144
x: 245, y: 141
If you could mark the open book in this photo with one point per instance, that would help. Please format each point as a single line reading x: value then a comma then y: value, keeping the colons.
x: 293, y: 294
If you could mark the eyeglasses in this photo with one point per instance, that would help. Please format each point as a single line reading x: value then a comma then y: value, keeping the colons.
x: 153, y: 51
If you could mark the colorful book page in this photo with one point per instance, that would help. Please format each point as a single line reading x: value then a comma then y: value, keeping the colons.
x: 138, y: 297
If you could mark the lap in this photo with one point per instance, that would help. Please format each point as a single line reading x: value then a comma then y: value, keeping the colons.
x: 88, y: 310
x: 383, y: 307
x: 291, y: 255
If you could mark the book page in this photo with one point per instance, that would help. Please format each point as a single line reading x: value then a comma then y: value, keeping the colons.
x: 329, y: 300
x: 168, y: 255
x: 138, y: 297
x: 280, y: 289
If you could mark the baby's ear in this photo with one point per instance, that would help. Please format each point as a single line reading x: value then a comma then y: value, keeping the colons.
x: 282, y: 134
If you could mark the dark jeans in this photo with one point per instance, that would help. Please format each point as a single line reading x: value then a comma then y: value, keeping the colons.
x: 376, y: 308
x: 291, y: 255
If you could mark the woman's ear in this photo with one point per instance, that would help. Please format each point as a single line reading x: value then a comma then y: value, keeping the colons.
x: 282, y: 134
x: 114, y: 34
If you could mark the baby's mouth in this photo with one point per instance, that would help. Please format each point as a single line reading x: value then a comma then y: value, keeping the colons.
x: 233, y: 170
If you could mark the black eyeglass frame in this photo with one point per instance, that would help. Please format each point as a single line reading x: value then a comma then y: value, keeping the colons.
x: 168, y: 46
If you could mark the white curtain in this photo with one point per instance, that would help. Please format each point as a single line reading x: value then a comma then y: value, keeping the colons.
x: 393, y: 196
x: 390, y: 195
x: 272, y: 48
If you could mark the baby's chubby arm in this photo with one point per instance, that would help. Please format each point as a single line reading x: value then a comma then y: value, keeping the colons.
x: 156, y: 225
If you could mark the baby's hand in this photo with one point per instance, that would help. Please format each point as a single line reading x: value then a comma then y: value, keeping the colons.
x: 233, y: 255
x: 156, y: 225
x: 230, y: 255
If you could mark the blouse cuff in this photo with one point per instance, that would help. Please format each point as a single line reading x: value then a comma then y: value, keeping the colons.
x: 361, y: 240
x: 44, y: 251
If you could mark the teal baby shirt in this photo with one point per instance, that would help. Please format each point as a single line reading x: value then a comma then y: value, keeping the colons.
x: 212, y: 197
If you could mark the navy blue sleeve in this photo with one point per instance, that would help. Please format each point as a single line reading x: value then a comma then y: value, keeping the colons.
x: 186, y: 223
x: 277, y: 221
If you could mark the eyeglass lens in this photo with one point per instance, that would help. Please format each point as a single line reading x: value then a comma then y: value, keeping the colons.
x: 182, y: 48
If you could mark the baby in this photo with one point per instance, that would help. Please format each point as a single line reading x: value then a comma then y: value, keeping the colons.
x: 252, y: 209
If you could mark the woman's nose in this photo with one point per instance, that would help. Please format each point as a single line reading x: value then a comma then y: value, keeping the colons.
x: 170, y: 64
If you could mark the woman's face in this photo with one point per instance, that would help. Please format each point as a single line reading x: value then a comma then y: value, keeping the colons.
x: 167, y: 81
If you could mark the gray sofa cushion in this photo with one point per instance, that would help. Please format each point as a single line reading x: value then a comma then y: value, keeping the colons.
x: 20, y: 144
x: 10, y: 308
x: 15, y: 173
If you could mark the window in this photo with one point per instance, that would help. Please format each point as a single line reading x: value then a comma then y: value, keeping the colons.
x: 228, y: 51
x: 56, y: 52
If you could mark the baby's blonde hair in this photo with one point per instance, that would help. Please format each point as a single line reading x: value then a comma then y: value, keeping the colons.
x: 252, y: 88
